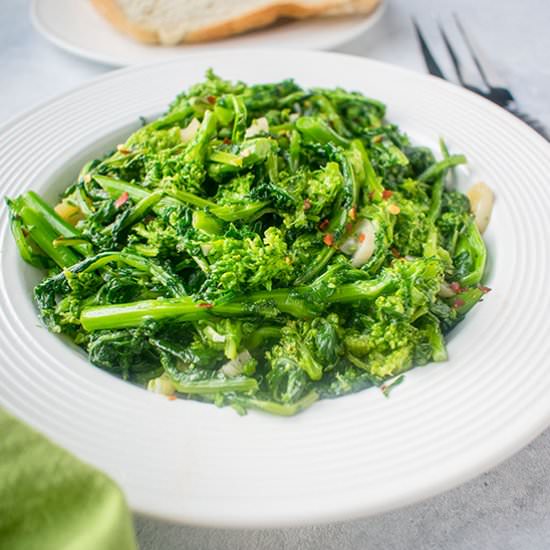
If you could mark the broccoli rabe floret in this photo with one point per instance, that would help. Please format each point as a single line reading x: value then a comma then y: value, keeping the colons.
x: 304, y: 347
x: 235, y: 191
x: 411, y: 228
x: 204, y: 93
x: 152, y: 140
x: 241, y: 261
x: 322, y: 188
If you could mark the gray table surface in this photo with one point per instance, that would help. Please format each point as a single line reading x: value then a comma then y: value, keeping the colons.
x: 504, y: 509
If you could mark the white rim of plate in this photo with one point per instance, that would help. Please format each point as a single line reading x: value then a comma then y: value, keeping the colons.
x: 370, y: 20
x: 95, y: 416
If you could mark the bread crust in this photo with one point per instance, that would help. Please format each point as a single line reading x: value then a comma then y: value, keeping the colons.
x: 353, y: 7
x: 237, y: 25
x: 111, y: 11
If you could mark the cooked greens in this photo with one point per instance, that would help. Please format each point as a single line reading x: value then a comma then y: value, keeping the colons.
x: 258, y: 246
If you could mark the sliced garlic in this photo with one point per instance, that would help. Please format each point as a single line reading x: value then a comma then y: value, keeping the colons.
x: 214, y: 336
x: 258, y: 126
x: 481, y: 202
x: 366, y: 236
x: 189, y: 131
x: 161, y: 385
x: 235, y: 366
x: 349, y: 246
x: 445, y: 290
x: 69, y: 212
x: 206, y: 248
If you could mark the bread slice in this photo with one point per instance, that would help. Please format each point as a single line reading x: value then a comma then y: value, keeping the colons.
x: 170, y: 22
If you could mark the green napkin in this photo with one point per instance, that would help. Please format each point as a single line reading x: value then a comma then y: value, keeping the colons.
x: 49, y: 500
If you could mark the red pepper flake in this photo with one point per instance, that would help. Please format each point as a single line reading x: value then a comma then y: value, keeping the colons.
x: 395, y: 252
x: 458, y: 303
x: 328, y: 239
x: 307, y: 204
x: 484, y: 289
x: 349, y: 227
x: 171, y: 398
x: 227, y: 140
x: 361, y: 237
x: 122, y: 199
x: 386, y: 194
x: 353, y: 213
x: 324, y: 224
x: 211, y: 99
x: 456, y: 288
x: 205, y: 305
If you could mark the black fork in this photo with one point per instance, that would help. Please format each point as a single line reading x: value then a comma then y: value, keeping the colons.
x: 494, y: 88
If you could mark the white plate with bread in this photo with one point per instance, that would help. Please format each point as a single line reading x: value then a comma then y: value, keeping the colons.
x: 131, y: 32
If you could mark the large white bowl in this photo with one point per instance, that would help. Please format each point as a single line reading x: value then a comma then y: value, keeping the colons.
x: 343, y: 458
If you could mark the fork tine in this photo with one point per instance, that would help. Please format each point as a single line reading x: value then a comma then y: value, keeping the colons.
x: 431, y: 63
x: 452, y: 54
x: 490, y: 77
x: 471, y: 49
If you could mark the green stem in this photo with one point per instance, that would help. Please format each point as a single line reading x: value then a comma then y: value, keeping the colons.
x: 197, y: 147
x: 61, y: 226
x: 315, y: 129
x: 296, y: 302
x: 184, y: 384
x: 373, y: 184
x: 439, y: 168
x: 23, y: 245
x: 239, y: 120
x: 215, y: 386
x: 134, y: 313
x: 43, y: 234
x: 469, y: 298
x: 245, y: 212
x: 261, y: 335
x: 142, y: 207
x: 294, y: 149
x: 171, y: 119
x: 315, y: 267
x: 437, y: 195
x: 204, y: 222
x: 115, y: 188
x: 223, y: 157
x: 362, y: 290
x: 190, y: 198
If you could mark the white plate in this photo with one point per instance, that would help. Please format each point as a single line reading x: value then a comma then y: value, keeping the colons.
x: 75, y: 26
x: 349, y: 457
